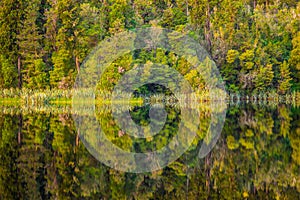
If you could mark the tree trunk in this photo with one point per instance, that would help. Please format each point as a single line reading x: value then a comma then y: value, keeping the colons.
x: 77, y: 138
x: 187, y: 8
x: 20, y: 129
x: 19, y: 73
x: 207, y: 29
x: 77, y: 64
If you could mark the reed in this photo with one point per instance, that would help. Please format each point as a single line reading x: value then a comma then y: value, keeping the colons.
x: 60, y: 96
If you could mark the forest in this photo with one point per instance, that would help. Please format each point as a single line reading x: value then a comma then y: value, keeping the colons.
x: 254, y: 43
x: 44, y: 45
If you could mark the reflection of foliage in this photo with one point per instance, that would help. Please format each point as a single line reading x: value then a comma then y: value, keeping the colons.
x: 30, y: 160
x: 130, y: 143
x: 108, y: 124
x: 10, y: 178
x: 266, y: 150
x: 48, y: 161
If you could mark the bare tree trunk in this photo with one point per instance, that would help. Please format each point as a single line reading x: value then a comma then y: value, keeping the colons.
x: 207, y: 27
x: 77, y: 138
x: 187, y: 8
x: 20, y: 129
x: 19, y: 73
x: 77, y: 64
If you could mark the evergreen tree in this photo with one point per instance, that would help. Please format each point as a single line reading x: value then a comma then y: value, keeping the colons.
x: 30, y: 48
x: 44, y: 42
x: 264, y: 78
x: 285, y: 78
x: 8, y: 74
x: 63, y: 57
x: 121, y: 16
x: 294, y: 60
x: 11, y: 12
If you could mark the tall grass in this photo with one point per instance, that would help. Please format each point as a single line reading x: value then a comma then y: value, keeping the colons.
x: 35, y: 97
x: 60, y: 96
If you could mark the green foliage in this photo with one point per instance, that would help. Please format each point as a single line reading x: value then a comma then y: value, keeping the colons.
x: 62, y: 67
x: 10, y: 17
x: 244, y: 38
x: 232, y: 56
x: 285, y: 78
x: 8, y: 73
x: 173, y: 17
x: 264, y: 77
x: 40, y: 78
x: 294, y: 60
x: 231, y: 143
x: 30, y: 48
x: 43, y: 158
x: 121, y: 16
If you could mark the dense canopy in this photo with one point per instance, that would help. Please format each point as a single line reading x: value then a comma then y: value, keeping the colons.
x: 255, y: 43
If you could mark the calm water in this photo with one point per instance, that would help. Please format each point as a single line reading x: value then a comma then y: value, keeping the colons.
x: 257, y: 156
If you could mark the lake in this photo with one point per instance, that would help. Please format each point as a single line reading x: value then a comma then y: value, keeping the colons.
x: 43, y: 155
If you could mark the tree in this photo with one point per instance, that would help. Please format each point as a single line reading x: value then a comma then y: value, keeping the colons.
x: 8, y: 74
x: 285, y: 78
x: 63, y: 58
x: 11, y: 12
x: 88, y: 32
x: 30, y: 48
x: 62, y: 71
x: 173, y: 17
x: 294, y: 60
x: 121, y: 16
x: 264, y: 78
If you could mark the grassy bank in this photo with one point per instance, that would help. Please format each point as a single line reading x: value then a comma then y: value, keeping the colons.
x: 64, y: 97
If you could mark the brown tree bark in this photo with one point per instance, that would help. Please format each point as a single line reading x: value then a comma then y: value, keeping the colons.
x: 207, y: 28
x: 20, y: 129
x: 19, y: 73
x: 77, y: 62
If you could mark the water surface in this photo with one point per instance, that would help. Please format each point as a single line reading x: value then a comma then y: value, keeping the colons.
x: 257, y: 156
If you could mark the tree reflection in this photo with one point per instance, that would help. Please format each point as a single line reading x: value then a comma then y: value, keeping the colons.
x: 257, y: 156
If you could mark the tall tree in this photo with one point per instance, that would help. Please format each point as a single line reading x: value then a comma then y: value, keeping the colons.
x: 294, y: 60
x: 63, y: 59
x: 11, y: 12
x: 34, y: 73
